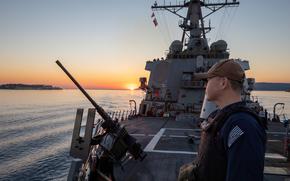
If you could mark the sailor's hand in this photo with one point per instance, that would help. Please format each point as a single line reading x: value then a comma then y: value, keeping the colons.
x: 186, y: 173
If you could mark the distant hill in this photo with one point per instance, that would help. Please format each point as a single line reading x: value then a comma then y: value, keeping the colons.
x: 269, y: 86
x: 28, y: 87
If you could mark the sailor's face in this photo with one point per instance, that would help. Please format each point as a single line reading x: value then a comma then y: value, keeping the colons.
x: 213, y: 88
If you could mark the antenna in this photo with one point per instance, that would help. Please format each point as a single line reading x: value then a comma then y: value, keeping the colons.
x: 193, y: 22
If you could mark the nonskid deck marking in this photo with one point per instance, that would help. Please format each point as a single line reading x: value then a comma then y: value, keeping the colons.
x: 152, y: 135
x: 276, y: 133
x: 136, y: 134
x: 174, y: 152
x: 177, y: 136
x: 145, y: 135
x: 182, y: 129
x: 181, y: 136
x: 198, y: 129
x: 172, y: 136
x: 275, y: 156
x: 267, y: 155
x: 277, y: 171
x: 151, y: 145
x: 274, y: 140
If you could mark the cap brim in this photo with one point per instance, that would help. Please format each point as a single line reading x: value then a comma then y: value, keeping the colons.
x: 200, y: 76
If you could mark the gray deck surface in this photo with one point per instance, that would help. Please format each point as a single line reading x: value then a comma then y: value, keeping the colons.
x: 166, y: 143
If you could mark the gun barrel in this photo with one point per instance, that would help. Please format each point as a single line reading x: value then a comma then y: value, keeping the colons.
x: 99, y: 109
x: 133, y: 147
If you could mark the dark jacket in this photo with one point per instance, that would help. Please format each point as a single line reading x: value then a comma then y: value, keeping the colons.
x: 232, y: 146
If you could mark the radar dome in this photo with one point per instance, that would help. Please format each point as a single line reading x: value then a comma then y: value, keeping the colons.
x: 175, y: 47
x: 219, y: 46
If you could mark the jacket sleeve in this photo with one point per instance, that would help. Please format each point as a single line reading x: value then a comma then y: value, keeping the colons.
x: 245, y: 148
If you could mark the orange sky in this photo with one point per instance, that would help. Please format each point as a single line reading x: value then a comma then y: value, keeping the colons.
x: 99, y: 78
x: 104, y: 47
x: 107, y: 79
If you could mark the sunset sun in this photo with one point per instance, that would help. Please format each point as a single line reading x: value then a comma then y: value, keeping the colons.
x: 132, y: 86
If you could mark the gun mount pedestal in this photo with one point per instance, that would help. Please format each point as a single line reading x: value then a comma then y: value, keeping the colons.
x: 80, y: 146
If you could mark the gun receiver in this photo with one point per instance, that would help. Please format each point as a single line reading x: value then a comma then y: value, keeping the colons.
x: 123, y: 142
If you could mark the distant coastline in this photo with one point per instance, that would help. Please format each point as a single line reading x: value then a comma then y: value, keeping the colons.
x: 29, y: 87
x: 269, y: 86
x: 259, y: 86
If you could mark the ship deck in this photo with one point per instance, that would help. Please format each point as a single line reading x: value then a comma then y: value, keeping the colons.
x: 167, y: 146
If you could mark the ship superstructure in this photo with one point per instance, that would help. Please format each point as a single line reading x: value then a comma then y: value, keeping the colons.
x: 173, y: 87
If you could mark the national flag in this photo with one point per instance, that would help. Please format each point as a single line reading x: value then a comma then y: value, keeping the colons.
x: 155, y: 22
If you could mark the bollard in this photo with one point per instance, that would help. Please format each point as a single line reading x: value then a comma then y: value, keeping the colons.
x: 113, y: 115
x: 122, y: 117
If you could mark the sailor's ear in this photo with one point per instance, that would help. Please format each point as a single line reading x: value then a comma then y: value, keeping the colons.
x: 224, y: 82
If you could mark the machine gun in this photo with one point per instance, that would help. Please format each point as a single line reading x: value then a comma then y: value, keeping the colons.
x: 111, y: 146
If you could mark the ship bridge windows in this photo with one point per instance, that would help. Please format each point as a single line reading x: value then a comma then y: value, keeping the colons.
x: 193, y: 84
x: 187, y: 76
x: 188, y: 82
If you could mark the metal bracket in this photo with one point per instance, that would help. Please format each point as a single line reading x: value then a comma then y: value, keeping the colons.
x: 80, y: 146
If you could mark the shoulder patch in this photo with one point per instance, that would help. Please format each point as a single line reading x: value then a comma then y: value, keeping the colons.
x: 235, y: 133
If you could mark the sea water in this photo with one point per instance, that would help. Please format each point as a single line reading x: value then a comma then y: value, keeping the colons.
x: 36, y: 127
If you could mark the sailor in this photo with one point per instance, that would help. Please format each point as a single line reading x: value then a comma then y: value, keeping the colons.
x: 233, y: 138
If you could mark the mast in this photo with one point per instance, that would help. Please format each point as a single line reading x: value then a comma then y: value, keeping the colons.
x: 193, y: 23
